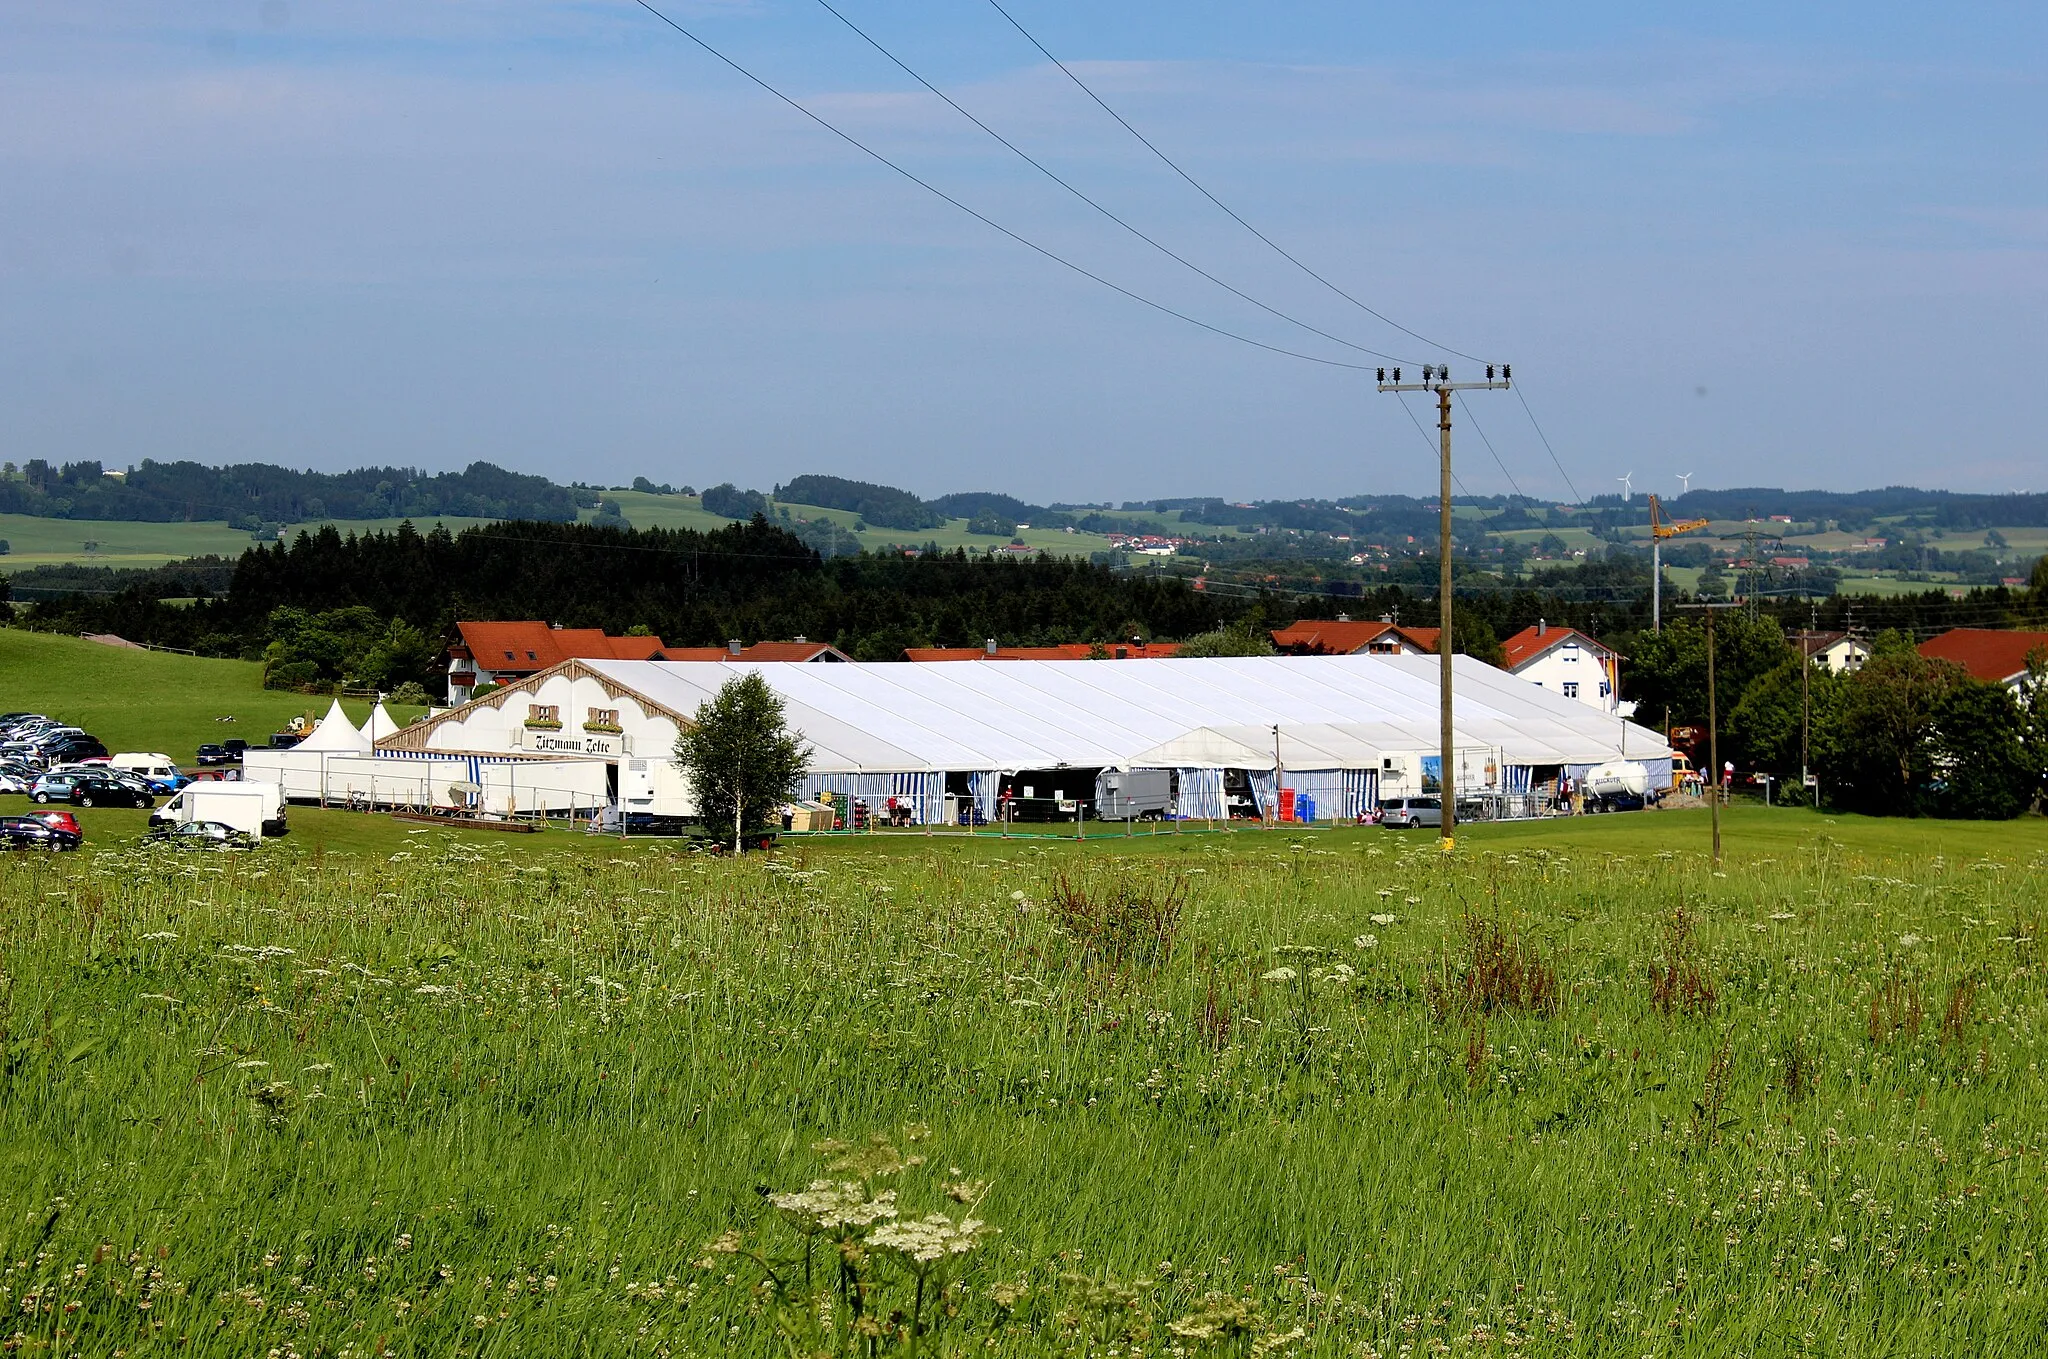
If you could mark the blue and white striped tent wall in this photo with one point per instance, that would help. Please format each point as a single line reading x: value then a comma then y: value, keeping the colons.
x: 1201, y: 794
x: 985, y: 786
x: 1361, y: 792
x: 1344, y: 794
x: 474, y: 764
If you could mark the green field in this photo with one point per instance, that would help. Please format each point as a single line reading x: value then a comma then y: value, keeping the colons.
x: 150, y: 700
x: 646, y: 510
x: 35, y: 541
x: 1566, y: 1091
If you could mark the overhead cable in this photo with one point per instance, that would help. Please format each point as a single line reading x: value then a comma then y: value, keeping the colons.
x: 985, y: 220
x: 1195, y: 184
x: 1043, y: 169
x: 1275, y: 246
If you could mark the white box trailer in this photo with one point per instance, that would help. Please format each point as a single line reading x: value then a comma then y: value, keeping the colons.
x: 251, y: 807
x: 556, y: 787
x: 655, y: 787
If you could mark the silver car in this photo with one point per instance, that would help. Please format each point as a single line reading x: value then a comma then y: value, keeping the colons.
x: 1406, y: 813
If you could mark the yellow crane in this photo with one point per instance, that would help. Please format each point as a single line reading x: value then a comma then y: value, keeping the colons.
x: 1659, y: 531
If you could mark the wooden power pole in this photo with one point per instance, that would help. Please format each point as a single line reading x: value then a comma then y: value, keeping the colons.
x: 1713, y: 720
x: 1437, y: 378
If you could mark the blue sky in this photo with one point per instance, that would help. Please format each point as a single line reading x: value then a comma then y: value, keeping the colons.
x: 1802, y: 245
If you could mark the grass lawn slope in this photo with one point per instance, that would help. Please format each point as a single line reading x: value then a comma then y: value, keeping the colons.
x: 149, y: 700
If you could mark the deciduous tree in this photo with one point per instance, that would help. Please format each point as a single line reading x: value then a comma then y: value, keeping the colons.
x: 742, y: 759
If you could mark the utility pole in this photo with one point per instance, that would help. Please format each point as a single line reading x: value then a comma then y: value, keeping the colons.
x: 1713, y: 720
x: 1279, y: 774
x: 1806, y: 700
x: 1437, y: 378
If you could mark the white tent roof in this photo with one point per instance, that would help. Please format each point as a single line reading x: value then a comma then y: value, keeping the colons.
x: 337, y: 734
x: 1334, y: 712
x: 381, y: 723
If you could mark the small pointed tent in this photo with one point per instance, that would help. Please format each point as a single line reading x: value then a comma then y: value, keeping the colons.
x: 380, y: 725
x: 336, y: 735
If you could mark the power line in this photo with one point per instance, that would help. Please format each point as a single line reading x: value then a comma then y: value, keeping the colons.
x: 1466, y: 407
x: 1548, y: 449
x: 985, y: 220
x: 1234, y: 216
x: 1043, y: 169
x: 1171, y: 164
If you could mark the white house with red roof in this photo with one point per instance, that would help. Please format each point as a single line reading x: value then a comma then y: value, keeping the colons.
x: 1992, y: 655
x: 1566, y: 661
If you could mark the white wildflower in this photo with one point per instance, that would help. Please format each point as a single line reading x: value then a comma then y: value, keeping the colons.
x: 1280, y: 974
x: 1366, y: 941
x: 925, y: 1241
x: 831, y: 1205
x: 1383, y: 919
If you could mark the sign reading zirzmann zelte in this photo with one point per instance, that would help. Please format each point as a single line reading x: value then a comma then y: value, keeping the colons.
x: 607, y: 746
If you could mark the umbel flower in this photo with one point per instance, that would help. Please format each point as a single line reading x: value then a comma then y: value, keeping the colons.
x: 833, y: 1206
x: 922, y: 1242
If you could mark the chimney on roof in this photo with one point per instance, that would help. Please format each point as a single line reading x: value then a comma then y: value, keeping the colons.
x: 988, y: 647
x: 1387, y: 618
x: 1343, y: 618
x: 733, y: 646
x: 802, y: 640
x: 556, y: 626
x: 1541, y: 627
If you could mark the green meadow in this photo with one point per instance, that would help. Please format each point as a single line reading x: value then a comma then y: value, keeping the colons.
x: 1566, y: 1090
x: 36, y: 541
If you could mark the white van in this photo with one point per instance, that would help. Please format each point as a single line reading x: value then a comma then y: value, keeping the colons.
x: 252, y: 807
x: 158, y: 768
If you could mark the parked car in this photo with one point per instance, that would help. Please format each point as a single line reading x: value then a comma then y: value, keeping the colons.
x: 63, y: 821
x: 202, y: 835
x: 235, y: 748
x: 11, y: 782
x: 1407, y: 813
x: 89, y: 790
x: 27, y: 832
x: 212, y: 754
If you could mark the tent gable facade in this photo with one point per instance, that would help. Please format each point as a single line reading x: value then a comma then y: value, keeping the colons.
x: 569, y: 709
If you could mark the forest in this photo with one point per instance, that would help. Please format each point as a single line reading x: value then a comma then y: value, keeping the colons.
x: 252, y: 494
x: 751, y: 580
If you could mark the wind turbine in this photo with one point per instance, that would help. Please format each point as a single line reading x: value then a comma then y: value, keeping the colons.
x: 1685, y: 483
x: 1628, y: 486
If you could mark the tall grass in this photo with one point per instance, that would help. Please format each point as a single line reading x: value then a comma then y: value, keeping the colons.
x: 1273, y: 1101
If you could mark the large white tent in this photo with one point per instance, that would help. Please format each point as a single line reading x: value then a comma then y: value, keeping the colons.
x: 1343, y: 722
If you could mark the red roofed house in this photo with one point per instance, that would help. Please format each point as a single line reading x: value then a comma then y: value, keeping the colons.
x: 493, y: 653
x: 1132, y: 650
x: 1994, y: 656
x: 801, y: 650
x: 1566, y: 660
x: 1345, y: 637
